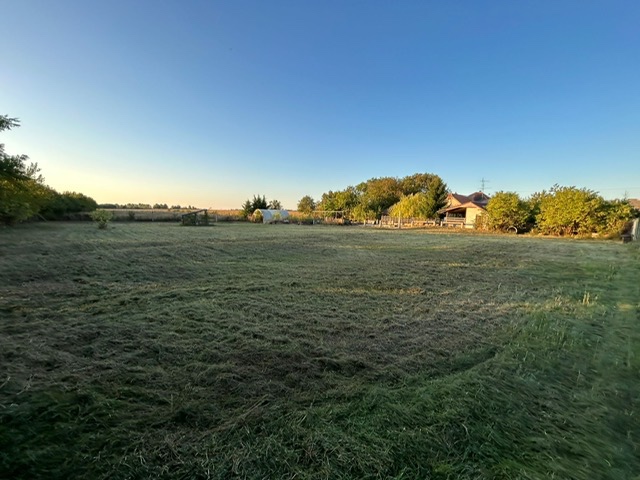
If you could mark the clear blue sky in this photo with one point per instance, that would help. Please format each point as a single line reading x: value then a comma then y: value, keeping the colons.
x: 209, y: 102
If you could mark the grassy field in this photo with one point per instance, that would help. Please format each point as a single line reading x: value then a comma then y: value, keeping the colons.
x: 258, y: 351
x: 168, y: 215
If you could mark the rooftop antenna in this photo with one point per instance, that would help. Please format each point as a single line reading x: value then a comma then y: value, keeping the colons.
x: 483, y: 183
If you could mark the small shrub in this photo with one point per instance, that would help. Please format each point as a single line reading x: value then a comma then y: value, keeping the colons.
x: 102, y: 217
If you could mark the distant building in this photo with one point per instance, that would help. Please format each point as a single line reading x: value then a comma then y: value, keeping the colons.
x: 635, y: 203
x: 463, y: 210
x: 271, y: 216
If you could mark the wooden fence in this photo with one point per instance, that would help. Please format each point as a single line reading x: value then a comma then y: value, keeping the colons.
x: 395, y: 222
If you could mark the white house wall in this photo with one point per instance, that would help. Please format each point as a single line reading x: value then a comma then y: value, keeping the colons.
x: 471, y: 216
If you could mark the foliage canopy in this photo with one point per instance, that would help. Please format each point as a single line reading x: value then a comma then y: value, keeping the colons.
x: 579, y: 211
x: 306, y: 205
x: 250, y: 206
x: 506, y: 210
x: 23, y: 193
x: 425, y: 192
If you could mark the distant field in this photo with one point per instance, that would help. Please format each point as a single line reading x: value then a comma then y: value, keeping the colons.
x: 168, y: 215
x: 174, y: 215
x: 152, y: 350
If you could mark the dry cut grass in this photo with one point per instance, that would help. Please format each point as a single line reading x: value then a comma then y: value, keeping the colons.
x: 255, y: 351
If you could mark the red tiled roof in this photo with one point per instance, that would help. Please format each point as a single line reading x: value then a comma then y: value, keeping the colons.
x: 635, y: 203
x: 460, y: 198
x: 479, y: 197
x: 464, y: 206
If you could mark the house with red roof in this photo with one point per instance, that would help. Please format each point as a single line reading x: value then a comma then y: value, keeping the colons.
x: 463, y: 210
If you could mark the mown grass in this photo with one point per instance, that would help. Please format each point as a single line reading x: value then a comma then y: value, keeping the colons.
x: 257, y: 351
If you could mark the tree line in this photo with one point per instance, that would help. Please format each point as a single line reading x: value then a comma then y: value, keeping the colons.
x: 559, y: 211
x: 145, y: 206
x: 23, y: 193
x: 419, y: 196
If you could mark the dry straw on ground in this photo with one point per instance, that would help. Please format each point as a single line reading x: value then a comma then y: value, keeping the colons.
x: 255, y: 351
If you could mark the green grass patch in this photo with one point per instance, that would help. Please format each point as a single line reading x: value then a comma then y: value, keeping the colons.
x: 256, y: 351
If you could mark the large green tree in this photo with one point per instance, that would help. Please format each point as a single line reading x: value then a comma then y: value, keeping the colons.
x: 22, y: 198
x: 579, y: 211
x: 569, y: 211
x: 250, y: 206
x: 342, y: 200
x: 430, y: 195
x: 22, y: 192
x: 506, y: 210
x: 417, y: 183
x: 370, y: 199
x: 63, y: 205
x: 275, y: 204
x: 327, y: 201
x: 12, y: 167
x: 411, y: 206
x: 379, y: 194
x: 615, y: 215
x: 436, y: 196
x: 306, y: 205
